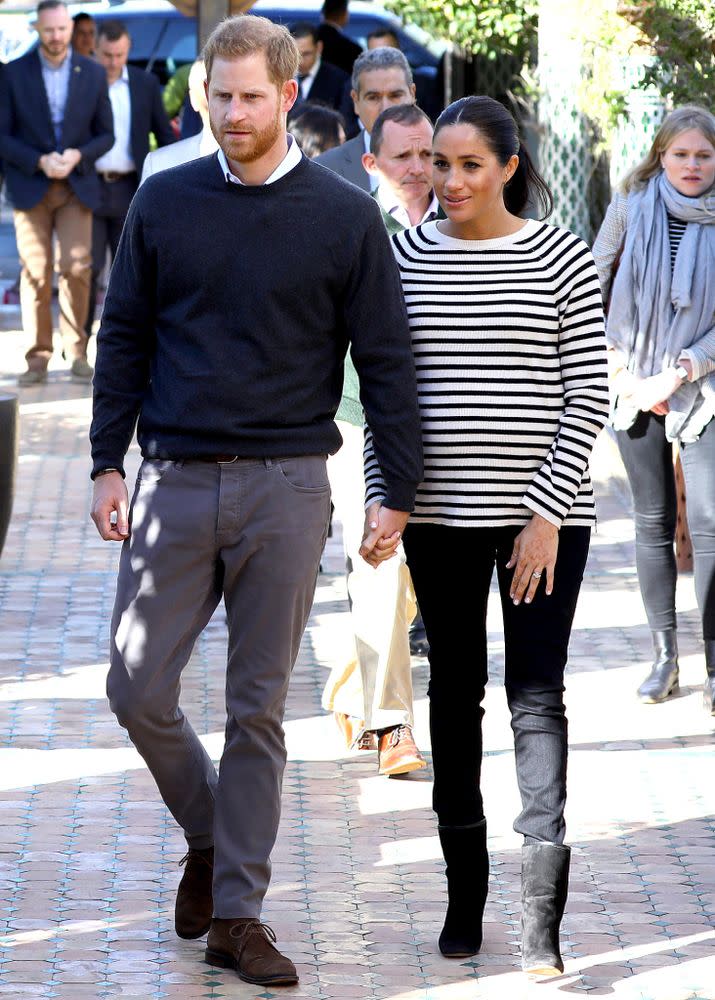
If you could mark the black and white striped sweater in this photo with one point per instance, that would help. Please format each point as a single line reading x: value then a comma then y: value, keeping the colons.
x: 509, y: 346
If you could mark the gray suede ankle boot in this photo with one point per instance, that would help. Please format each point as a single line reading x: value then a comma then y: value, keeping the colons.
x: 544, y: 888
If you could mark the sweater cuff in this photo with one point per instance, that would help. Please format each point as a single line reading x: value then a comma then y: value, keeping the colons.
x: 537, y: 508
x: 102, y: 463
x: 702, y: 364
x: 400, y: 495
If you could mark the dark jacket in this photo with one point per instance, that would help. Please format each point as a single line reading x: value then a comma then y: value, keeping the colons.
x: 26, y: 131
x: 147, y: 115
x: 329, y: 86
x: 338, y: 49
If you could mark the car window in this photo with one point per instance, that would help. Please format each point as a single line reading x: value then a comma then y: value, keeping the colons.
x: 144, y: 33
x: 179, y: 43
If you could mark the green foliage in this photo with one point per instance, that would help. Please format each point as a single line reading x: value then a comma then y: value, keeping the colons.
x: 681, y: 36
x: 482, y: 27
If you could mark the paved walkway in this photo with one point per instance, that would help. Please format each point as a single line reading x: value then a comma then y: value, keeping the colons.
x: 88, y: 855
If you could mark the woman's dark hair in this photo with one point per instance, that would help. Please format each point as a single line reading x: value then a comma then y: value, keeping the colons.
x: 317, y: 129
x: 501, y: 133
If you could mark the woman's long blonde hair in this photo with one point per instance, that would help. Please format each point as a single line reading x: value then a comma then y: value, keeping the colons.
x: 680, y: 120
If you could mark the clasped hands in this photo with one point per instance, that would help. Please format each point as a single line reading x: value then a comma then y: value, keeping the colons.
x: 57, y: 166
x: 383, y: 533
x: 533, y: 555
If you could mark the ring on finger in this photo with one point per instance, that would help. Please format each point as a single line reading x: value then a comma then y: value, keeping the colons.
x: 536, y: 576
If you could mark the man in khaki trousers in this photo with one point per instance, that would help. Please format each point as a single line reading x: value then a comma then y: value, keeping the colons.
x: 55, y: 121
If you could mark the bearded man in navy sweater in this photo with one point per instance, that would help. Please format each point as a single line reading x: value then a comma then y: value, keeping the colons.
x: 240, y: 281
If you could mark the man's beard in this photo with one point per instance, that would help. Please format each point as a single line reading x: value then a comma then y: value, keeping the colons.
x: 54, y: 49
x: 247, y: 151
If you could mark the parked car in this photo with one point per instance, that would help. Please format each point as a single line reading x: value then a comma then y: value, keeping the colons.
x: 163, y: 38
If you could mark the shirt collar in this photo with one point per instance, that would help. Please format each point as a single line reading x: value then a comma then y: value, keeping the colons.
x: 124, y: 78
x: 389, y: 203
x: 289, y: 161
x: 314, y: 70
x: 52, y: 68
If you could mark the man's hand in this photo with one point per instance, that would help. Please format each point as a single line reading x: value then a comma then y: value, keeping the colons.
x: 68, y: 161
x: 110, y: 497
x: 534, y: 554
x: 383, y: 533
x: 52, y: 165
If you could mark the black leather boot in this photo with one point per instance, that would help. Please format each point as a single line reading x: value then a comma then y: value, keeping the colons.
x: 709, y: 689
x: 662, y: 681
x: 465, y: 851
x: 544, y: 888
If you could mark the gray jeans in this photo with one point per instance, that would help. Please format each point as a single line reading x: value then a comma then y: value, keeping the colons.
x: 253, y: 531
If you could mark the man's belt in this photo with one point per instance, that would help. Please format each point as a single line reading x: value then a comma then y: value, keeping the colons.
x: 112, y: 176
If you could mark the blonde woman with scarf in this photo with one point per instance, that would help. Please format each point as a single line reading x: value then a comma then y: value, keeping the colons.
x: 656, y: 259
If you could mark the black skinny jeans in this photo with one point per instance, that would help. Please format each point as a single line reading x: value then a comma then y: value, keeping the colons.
x: 536, y: 640
x: 648, y: 457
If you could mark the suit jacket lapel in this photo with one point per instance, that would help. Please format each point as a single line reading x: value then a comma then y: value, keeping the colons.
x: 37, y: 93
x: 73, y: 90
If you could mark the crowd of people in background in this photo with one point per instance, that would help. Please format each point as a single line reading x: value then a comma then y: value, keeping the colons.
x: 476, y: 384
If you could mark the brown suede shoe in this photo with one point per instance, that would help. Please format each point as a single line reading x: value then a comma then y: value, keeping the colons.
x: 246, y: 945
x: 194, y: 899
x: 398, y: 753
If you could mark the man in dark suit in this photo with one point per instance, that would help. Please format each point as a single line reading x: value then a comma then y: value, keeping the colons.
x: 138, y: 110
x: 318, y: 80
x: 55, y: 120
x: 381, y: 78
x: 338, y: 49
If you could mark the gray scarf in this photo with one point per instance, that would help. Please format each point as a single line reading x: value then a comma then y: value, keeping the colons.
x: 655, y: 313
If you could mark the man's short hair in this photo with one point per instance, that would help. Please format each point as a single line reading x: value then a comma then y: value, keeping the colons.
x: 82, y: 16
x: 50, y: 5
x: 304, y: 29
x: 245, y: 34
x: 384, y: 33
x: 400, y: 114
x: 112, y: 30
x: 332, y: 7
x: 382, y: 58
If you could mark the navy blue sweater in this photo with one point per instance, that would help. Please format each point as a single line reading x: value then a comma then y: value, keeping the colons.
x: 228, y: 315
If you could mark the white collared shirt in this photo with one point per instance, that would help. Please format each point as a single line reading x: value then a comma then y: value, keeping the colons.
x: 389, y: 203
x: 309, y: 79
x: 290, y: 160
x: 374, y: 181
x: 119, y: 158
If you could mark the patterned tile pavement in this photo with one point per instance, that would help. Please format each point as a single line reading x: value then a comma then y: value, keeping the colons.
x: 88, y: 855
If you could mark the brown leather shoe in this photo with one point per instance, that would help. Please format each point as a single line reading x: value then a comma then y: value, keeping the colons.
x: 246, y: 945
x: 194, y: 899
x: 398, y: 753
x: 350, y: 728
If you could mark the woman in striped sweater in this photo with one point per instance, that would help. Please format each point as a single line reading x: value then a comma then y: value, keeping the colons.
x: 507, y: 332
x: 659, y: 236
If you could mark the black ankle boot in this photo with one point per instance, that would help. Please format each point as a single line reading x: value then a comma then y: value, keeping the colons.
x: 465, y: 851
x: 709, y: 689
x: 662, y: 681
x: 544, y: 888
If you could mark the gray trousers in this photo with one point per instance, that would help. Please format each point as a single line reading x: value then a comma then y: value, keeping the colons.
x: 253, y: 531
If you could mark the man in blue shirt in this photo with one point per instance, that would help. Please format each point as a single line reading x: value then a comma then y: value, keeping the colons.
x: 55, y: 121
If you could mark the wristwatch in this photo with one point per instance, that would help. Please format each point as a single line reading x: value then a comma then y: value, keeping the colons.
x: 682, y: 372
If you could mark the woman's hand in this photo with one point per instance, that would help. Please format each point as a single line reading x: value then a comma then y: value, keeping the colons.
x: 653, y: 393
x: 534, y: 554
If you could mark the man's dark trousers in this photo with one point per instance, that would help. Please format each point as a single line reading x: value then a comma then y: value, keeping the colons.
x: 107, y: 224
x: 253, y: 531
